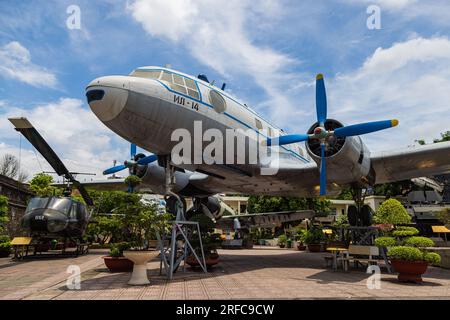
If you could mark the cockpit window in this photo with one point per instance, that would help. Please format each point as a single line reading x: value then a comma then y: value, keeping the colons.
x: 36, y: 203
x: 149, y: 74
x: 60, y: 204
x: 181, y: 84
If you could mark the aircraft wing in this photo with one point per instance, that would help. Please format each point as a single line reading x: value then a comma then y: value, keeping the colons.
x: 419, y: 161
x: 105, y: 185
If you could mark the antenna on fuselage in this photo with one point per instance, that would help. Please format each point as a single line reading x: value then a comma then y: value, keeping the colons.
x: 203, y: 77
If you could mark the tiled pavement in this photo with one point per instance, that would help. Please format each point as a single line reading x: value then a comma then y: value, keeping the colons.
x: 242, y: 274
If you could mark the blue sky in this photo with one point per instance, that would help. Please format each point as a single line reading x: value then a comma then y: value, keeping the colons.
x: 267, y: 52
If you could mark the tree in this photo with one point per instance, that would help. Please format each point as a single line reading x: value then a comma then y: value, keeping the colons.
x: 260, y: 204
x: 3, y: 213
x: 40, y: 184
x: 391, y: 211
x: 10, y: 167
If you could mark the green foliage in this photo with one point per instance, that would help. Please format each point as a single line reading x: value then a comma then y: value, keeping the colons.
x: 282, y: 239
x: 392, y: 212
x: 262, y: 204
x: 444, y: 216
x: 314, y: 236
x: 210, y: 240
x: 432, y: 258
x: 103, y: 228
x: 405, y: 253
x: 117, y: 249
x: 418, y: 242
x: 341, y: 221
x: 41, y: 185
x: 133, y: 181
x: 413, y: 254
x: 300, y: 235
x: 141, y: 222
x: 3, y: 213
x: 405, y: 232
x: 393, y: 189
x: 385, y: 242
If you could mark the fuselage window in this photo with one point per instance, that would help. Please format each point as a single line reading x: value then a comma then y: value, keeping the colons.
x: 258, y: 124
x: 269, y: 131
x: 217, y: 101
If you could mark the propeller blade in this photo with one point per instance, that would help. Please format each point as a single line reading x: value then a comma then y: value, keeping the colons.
x: 323, y: 173
x: 363, y: 128
x: 288, y: 139
x: 321, y: 100
x: 114, y: 169
x: 147, y: 160
x: 133, y: 151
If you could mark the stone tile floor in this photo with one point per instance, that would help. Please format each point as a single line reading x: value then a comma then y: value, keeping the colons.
x: 242, y: 274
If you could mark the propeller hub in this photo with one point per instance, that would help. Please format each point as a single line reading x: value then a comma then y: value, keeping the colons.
x: 320, y: 133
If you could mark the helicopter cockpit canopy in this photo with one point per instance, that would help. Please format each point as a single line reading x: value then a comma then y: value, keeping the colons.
x: 66, y: 206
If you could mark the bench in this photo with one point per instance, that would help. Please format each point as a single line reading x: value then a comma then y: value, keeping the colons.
x: 359, y: 255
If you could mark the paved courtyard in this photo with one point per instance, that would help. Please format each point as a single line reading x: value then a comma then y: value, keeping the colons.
x: 242, y: 274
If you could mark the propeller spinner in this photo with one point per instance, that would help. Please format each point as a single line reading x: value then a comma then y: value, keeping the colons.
x: 132, y: 163
x: 323, y: 135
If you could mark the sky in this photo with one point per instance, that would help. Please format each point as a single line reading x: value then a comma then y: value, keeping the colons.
x: 268, y: 52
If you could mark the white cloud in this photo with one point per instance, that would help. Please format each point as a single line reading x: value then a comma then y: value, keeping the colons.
x: 217, y: 34
x: 409, y: 80
x: 388, y: 4
x: 82, y: 142
x: 15, y: 63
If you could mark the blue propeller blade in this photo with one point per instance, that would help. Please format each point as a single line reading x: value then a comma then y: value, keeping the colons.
x: 323, y: 173
x: 133, y: 151
x: 147, y: 160
x: 363, y: 128
x: 114, y: 169
x: 321, y: 100
x: 288, y: 139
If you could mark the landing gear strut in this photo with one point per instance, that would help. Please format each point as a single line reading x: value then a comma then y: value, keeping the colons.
x: 179, y: 247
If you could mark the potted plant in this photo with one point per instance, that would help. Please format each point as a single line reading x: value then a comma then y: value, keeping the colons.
x: 313, y: 239
x: 5, y: 246
x: 115, y: 261
x: 282, y: 240
x: 140, y: 223
x: 300, y: 239
x: 210, y: 242
x: 411, y: 260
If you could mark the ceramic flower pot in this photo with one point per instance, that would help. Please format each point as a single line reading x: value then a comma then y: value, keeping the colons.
x: 140, y: 259
x: 410, y: 271
x: 118, y: 264
x: 314, y: 247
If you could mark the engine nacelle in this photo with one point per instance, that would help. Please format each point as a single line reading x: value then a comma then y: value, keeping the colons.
x: 348, y: 159
x: 212, y: 207
x: 154, y: 176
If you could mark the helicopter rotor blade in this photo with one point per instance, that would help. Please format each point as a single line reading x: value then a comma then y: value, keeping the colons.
x: 34, y: 137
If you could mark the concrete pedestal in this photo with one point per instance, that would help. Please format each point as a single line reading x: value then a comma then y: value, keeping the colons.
x: 140, y: 259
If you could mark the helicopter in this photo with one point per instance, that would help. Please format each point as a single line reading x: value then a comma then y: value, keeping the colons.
x: 55, y: 217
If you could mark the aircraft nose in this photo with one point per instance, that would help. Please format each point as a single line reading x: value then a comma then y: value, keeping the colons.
x: 107, y: 96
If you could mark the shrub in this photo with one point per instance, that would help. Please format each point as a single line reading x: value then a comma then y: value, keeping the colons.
x: 432, y: 258
x: 418, y: 242
x: 117, y: 249
x: 392, y: 212
x: 4, y: 238
x: 314, y: 236
x: 385, y: 242
x: 405, y: 253
x: 405, y: 232
x: 282, y: 239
